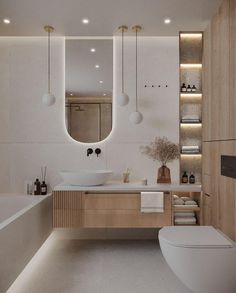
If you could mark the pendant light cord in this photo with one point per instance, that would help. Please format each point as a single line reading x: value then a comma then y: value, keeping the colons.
x: 136, y: 101
x: 122, y: 59
x: 49, y: 65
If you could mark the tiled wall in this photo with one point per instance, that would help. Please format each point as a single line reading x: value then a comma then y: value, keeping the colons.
x: 32, y: 135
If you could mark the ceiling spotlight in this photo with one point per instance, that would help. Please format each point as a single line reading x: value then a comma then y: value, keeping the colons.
x: 85, y: 21
x: 6, y: 20
x: 92, y: 50
x: 101, y: 81
x: 167, y: 21
x: 97, y: 66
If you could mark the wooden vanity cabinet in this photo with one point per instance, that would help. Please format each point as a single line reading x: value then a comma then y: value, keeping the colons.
x: 106, y: 210
x: 67, y: 209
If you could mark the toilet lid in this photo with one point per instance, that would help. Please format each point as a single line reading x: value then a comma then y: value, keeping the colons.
x: 200, y: 236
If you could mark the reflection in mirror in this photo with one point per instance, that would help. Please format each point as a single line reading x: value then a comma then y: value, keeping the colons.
x: 89, y: 83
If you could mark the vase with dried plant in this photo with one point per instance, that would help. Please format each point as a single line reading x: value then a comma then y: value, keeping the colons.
x: 164, y: 151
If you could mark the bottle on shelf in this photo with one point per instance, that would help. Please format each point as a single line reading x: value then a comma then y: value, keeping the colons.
x: 189, y: 89
x: 37, y: 187
x: 183, y: 88
x: 43, y: 188
x: 194, y: 89
x: 185, y: 177
x: 191, y: 178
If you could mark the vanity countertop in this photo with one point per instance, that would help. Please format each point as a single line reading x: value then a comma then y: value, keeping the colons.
x: 121, y: 187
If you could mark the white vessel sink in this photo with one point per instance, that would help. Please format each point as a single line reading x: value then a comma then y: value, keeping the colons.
x: 86, y: 177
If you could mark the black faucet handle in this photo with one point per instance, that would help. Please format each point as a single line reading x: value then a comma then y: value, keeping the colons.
x: 89, y: 151
x: 98, y: 151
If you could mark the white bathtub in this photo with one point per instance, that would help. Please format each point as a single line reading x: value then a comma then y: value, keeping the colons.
x: 25, y: 223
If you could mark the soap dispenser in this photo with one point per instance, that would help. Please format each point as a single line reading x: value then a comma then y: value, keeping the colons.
x: 43, y: 188
x: 37, y: 187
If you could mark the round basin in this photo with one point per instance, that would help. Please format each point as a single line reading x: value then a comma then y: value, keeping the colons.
x: 86, y: 177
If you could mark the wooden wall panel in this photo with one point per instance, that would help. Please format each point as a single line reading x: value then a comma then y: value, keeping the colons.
x: 219, y: 118
x: 206, y: 85
x: 227, y: 194
x: 232, y: 72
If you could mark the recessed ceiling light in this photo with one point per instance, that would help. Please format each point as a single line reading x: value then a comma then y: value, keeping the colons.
x: 92, y: 50
x: 167, y: 20
x: 85, y: 20
x: 97, y: 66
x: 101, y: 81
x: 6, y: 20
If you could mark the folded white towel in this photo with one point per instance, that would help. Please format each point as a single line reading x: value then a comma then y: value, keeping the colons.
x: 184, y: 214
x: 186, y: 221
x: 186, y: 198
x: 178, y: 201
x: 175, y: 196
x: 152, y: 202
x: 191, y: 202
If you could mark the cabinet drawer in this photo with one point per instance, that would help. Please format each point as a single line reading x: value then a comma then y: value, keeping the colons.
x: 115, y: 201
x: 124, y: 219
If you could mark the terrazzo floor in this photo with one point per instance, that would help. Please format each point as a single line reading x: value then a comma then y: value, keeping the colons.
x: 104, y: 266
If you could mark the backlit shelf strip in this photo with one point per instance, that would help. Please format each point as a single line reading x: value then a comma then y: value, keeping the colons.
x: 191, y: 66
x: 191, y: 95
x: 191, y: 154
x: 191, y: 35
x: 197, y: 124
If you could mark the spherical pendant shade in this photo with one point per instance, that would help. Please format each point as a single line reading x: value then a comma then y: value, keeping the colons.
x: 122, y: 99
x: 136, y: 117
x: 48, y: 99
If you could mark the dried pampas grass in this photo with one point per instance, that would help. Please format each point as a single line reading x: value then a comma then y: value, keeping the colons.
x: 162, y: 150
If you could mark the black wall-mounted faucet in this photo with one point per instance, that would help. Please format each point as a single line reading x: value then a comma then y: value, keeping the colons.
x: 89, y: 151
x: 98, y: 151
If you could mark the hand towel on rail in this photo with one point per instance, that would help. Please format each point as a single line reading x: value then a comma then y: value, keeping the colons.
x: 152, y: 202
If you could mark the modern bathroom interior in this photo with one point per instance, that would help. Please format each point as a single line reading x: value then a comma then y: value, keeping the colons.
x: 118, y: 146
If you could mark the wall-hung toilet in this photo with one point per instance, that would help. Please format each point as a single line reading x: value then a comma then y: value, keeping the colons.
x: 203, y: 258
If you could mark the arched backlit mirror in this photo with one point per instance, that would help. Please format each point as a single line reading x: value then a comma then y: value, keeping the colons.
x: 89, y: 83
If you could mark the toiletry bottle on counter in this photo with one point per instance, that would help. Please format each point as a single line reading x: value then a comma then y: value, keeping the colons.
x: 191, y: 178
x: 183, y: 88
x: 43, y: 188
x: 37, y: 187
x: 189, y: 88
x: 185, y: 177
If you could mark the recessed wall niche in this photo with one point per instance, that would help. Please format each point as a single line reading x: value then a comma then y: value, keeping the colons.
x: 191, y: 103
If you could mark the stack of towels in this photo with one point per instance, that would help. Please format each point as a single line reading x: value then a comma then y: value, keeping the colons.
x: 190, y: 149
x: 184, y: 217
x: 190, y: 119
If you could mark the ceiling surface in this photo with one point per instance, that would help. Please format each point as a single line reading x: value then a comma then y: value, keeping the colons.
x: 29, y: 16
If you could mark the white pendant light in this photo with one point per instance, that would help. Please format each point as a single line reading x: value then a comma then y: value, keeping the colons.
x: 136, y: 117
x: 49, y: 99
x: 122, y: 98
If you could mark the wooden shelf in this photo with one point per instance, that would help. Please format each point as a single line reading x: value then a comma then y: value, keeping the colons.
x: 190, y: 70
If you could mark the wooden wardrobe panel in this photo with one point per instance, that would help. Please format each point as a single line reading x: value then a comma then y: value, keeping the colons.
x: 206, y: 85
x: 232, y: 71
x: 227, y: 197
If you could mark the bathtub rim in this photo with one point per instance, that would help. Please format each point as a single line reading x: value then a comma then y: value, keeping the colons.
x: 37, y: 200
